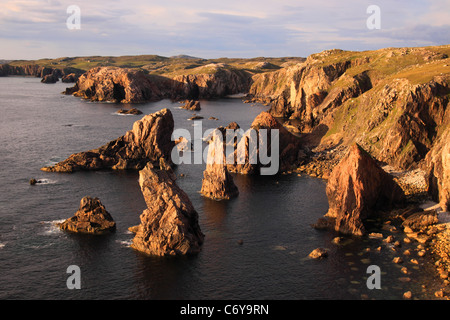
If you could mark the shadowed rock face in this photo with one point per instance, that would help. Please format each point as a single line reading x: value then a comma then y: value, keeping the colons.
x: 169, y: 225
x: 438, y: 164
x: 356, y: 189
x: 148, y: 141
x: 288, y: 147
x: 91, y: 217
x: 116, y: 84
x: 217, y: 182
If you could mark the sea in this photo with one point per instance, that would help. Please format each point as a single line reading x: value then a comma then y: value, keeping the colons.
x: 256, y: 245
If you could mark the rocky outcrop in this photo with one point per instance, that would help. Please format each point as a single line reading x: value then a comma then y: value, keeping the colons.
x: 71, y: 77
x: 438, y: 170
x: 169, y: 225
x: 134, y: 86
x: 148, y: 141
x: 91, y: 217
x: 192, y: 105
x: 212, y: 81
x: 50, y: 78
x: 217, y: 184
x: 357, y: 189
x: 345, y: 97
x: 132, y: 111
x: 288, y: 147
x: 116, y: 84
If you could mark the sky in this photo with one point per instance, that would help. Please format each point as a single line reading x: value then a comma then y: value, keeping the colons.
x: 35, y: 29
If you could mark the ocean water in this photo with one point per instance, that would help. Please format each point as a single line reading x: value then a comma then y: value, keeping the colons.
x: 272, y: 217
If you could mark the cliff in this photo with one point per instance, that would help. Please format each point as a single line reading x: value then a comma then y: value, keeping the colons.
x: 133, y: 86
x: 390, y: 101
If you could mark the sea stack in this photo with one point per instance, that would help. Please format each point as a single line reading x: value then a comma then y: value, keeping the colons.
x: 357, y: 188
x: 248, y: 151
x: 91, y: 217
x: 217, y: 182
x: 149, y: 141
x: 169, y: 225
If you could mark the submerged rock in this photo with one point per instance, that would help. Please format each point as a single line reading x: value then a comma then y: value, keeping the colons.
x: 356, y: 189
x: 91, y: 217
x: 169, y: 225
x: 148, y: 141
x: 217, y: 182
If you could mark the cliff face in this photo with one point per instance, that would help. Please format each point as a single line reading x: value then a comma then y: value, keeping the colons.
x: 219, y: 82
x: 132, y: 86
x: 149, y: 141
x: 116, y: 84
x: 35, y: 71
x: 391, y: 101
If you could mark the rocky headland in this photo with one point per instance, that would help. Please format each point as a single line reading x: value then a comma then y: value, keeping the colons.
x: 148, y: 141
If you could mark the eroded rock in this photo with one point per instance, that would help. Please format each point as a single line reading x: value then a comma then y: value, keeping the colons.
x: 148, y: 141
x: 91, y: 217
x: 357, y: 188
x: 169, y: 225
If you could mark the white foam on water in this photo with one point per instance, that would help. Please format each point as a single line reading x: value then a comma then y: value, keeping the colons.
x: 2, y: 245
x: 51, y: 227
x: 45, y: 181
x: 125, y: 243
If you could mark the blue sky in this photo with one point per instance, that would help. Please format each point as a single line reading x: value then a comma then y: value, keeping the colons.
x: 33, y: 29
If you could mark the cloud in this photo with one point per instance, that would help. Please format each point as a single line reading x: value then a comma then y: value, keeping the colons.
x: 213, y: 29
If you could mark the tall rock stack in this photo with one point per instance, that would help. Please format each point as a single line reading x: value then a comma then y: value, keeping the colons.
x: 217, y: 182
x: 169, y: 225
x: 357, y: 188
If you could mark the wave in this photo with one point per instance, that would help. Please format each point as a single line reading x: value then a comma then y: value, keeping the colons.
x: 2, y: 245
x: 45, y: 181
x: 51, y: 227
x: 125, y: 243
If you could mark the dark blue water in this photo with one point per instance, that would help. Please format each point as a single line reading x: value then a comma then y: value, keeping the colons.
x: 272, y: 216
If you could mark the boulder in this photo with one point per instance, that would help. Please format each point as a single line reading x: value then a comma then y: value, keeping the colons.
x: 149, y: 141
x: 421, y: 220
x: 91, y: 217
x: 169, y: 225
x: 357, y: 189
x: 217, y: 182
x: 318, y: 253
x: 192, y: 105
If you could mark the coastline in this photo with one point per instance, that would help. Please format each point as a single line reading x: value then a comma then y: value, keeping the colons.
x: 432, y: 242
